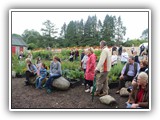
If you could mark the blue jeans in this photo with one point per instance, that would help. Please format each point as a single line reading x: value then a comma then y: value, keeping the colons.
x: 39, y: 82
x: 50, y: 80
x: 129, y: 105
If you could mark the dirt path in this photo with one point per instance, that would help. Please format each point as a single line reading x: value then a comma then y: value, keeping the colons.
x: 23, y: 97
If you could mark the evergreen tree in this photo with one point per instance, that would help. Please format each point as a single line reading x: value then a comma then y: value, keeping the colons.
x: 120, y: 30
x: 49, y: 32
x: 145, y: 34
x: 108, y: 28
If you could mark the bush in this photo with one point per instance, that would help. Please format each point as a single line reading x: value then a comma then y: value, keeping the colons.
x: 32, y: 46
x: 115, y: 72
x: 44, y: 54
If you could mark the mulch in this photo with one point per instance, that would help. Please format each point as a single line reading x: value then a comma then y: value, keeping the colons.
x: 27, y: 97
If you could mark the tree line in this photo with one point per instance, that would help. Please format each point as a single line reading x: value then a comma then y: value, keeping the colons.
x: 78, y: 33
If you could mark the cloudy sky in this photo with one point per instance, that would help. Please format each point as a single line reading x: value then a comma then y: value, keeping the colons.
x: 135, y: 21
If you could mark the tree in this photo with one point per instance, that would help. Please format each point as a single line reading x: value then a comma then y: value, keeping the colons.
x: 145, y: 34
x: 90, y: 31
x: 108, y: 28
x: 120, y: 30
x: 49, y: 33
x: 32, y: 36
x: 49, y: 29
x: 63, y: 31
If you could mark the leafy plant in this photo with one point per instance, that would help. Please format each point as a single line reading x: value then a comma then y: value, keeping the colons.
x: 115, y: 72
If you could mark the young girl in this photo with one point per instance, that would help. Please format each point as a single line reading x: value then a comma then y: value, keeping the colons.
x: 42, y: 75
x: 38, y: 65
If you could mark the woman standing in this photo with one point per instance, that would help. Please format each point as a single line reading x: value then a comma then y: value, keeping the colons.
x: 90, y: 69
x: 55, y: 72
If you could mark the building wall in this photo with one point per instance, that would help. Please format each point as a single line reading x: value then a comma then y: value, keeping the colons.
x: 18, y: 49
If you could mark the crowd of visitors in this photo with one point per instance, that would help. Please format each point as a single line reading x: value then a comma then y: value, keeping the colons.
x: 135, y: 70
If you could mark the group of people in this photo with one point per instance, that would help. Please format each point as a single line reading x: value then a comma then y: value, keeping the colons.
x: 134, y: 70
x: 137, y: 73
x: 39, y: 70
x: 73, y: 55
x: 91, y: 68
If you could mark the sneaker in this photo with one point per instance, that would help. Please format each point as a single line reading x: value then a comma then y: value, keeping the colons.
x: 91, y: 89
x: 49, y: 91
x: 88, y: 90
x: 44, y: 86
x: 26, y: 83
x: 117, y: 92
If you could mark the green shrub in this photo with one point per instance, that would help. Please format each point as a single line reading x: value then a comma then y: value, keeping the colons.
x: 70, y: 65
x: 115, y: 72
x: 65, y: 52
x: 75, y: 74
x: 44, y: 54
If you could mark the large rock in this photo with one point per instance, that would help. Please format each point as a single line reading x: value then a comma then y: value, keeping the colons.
x: 124, y: 92
x: 13, y: 74
x: 107, y: 99
x: 61, y: 83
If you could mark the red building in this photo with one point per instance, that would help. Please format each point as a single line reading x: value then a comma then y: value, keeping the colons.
x: 18, y: 45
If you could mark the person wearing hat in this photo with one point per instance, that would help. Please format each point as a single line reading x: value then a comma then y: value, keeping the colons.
x: 31, y: 71
x: 128, y: 72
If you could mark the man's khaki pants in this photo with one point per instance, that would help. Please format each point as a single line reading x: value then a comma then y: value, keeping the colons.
x: 102, y: 83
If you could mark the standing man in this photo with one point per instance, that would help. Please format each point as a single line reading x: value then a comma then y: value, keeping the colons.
x: 103, y: 66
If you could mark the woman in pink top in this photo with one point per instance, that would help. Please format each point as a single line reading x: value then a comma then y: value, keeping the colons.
x: 90, y: 69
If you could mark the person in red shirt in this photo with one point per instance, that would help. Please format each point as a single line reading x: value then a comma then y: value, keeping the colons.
x: 139, y: 97
x: 90, y: 67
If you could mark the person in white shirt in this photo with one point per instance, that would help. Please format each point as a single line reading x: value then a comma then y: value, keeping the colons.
x: 124, y: 57
x: 114, y: 58
x: 83, y: 65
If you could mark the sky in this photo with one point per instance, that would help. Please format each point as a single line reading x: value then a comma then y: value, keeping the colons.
x: 134, y: 21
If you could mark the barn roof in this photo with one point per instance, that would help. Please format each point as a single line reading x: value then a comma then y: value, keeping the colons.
x: 18, y: 41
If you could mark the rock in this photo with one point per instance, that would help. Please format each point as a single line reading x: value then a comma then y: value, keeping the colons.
x: 128, y: 83
x: 13, y: 74
x: 107, y: 99
x: 61, y: 83
x: 124, y: 92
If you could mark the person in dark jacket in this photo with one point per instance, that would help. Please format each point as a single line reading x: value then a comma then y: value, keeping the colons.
x: 136, y: 56
x: 71, y: 56
x: 31, y: 71
x: 120, y: 50
x: 76, y: 54
x: 129, y: 71
x: 139, y: 97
